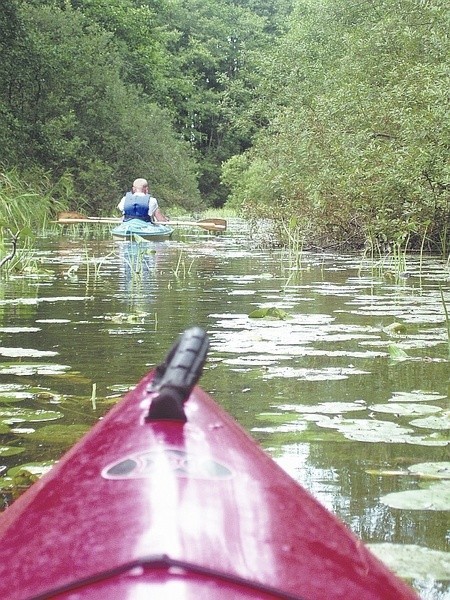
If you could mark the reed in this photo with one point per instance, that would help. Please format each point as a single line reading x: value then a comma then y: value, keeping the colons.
x: 388, y: 261
x: 182, y: 270
x: 26, y: 206
x: 94, y: 396
x: 447, y: 318
x: 422, y: 246
x: 295, y: 234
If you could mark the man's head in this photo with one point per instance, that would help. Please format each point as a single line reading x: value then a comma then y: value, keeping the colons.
x: 140, y: 185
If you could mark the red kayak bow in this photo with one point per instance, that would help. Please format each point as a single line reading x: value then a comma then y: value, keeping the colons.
x: 168, y: 497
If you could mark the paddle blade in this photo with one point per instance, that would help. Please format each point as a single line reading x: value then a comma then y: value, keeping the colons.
x: 208, y: 224
x: 69, y: 215
x: 213, y: 224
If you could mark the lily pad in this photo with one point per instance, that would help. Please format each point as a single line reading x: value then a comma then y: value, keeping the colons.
x: 19, y: 329
x: 20, y: 478
x: 397, y: 354
x: 368, y: 430
x: 435, y: 497
x: 411, y: 561
x: 283, y: 436
x: 10, y: 450
x: 408, y: 409
x: 12, y: 396
x: 416, y: 396
x: 35, y: 468
x: 325, y: 374
x: 271, y: 312
x: 396, y: 329
x: 140, y: 317
x: 28, y: 352
x: 433, y: 470
x: 442, y: 422
x: 11, y: 387
x: 276, y: 418
x: 332, y: 408
x: 22, y: 430
x: 60, y: 434
x: 29, y: 369
x: 22, y: 415
x: 52, y: 320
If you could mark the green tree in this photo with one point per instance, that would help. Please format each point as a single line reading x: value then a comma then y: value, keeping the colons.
x: 76, y: 118
x: 358, y: 134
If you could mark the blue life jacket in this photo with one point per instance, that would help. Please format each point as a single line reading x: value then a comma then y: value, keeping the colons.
x: 136, y: 207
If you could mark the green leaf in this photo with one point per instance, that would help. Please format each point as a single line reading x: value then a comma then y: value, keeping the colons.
x: 28, y: 415
x: 10, y: 450
x: 397, y: 354
x: 272, y: 313
x: 411, y: 561
x: 435, y: 497
x: 431, y: 470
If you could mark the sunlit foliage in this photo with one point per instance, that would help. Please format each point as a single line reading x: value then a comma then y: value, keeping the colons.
x: 358, y: 139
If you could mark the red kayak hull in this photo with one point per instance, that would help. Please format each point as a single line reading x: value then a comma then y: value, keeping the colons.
x: 168, y: 509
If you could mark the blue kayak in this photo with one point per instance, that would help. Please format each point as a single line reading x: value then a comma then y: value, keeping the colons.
x: 149, y: 231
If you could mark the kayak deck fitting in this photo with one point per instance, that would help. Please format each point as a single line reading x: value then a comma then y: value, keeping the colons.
x: 168, y: 497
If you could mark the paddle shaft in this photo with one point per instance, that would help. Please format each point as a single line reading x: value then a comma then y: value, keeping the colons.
x: 74, y: 218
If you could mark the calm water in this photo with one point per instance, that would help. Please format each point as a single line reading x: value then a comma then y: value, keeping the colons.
x: 349, y: 392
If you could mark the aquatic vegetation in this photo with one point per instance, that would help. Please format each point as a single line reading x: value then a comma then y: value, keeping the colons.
x: 412, y: 561
x: 416, y: 396
x: 11, y: 450
x: 270, y: 313
x: 397, y: 354
x: 182, y: 269
x: 132, y: 318
x: 29, y: 369
x: 441, y: 422
x: 303, y: 422
x: 18, y: 479
x: 29, y: 352
x: 325, y: 408
x: 447, y: 318
x: 407, y: 409
x: 434, y: 497
x: 27, y: 415
x: 396, y: 329
x: 431, y: 470
x: 15, y: 396
x: 65, y: 435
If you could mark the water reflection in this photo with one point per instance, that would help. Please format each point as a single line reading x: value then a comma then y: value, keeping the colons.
x: 138, y: 264
x: 330, y: 357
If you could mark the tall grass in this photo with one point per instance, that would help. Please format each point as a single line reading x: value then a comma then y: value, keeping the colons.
x: 447, y: 318
x: 26, y: 207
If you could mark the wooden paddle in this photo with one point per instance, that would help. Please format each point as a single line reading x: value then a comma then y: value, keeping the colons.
x: 71, y: 217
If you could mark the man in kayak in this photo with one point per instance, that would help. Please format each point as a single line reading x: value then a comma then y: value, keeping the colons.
x: 138, y: 204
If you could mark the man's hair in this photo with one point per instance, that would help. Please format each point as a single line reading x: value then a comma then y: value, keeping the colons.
x: 139, y: 184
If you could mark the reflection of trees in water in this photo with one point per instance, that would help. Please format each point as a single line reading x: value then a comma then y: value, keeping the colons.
x: 354, y: 495
x: 138, y: 262
x: 138, y: 259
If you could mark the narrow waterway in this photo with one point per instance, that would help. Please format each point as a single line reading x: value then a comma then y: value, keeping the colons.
x: 336, y: 364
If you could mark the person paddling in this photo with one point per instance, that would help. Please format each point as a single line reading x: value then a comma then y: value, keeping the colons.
x: 138, y: 204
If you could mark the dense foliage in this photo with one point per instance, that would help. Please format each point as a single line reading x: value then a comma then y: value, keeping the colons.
x: 101, y: 91
x: 69, y: 111
x: 326, y: 115
x: 358, y: 142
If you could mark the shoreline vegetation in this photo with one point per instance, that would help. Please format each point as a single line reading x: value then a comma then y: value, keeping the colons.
x: 329, y: 121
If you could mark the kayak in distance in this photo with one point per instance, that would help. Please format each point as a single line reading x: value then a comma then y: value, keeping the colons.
x: 147, y: 230
x: 167, y: 497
